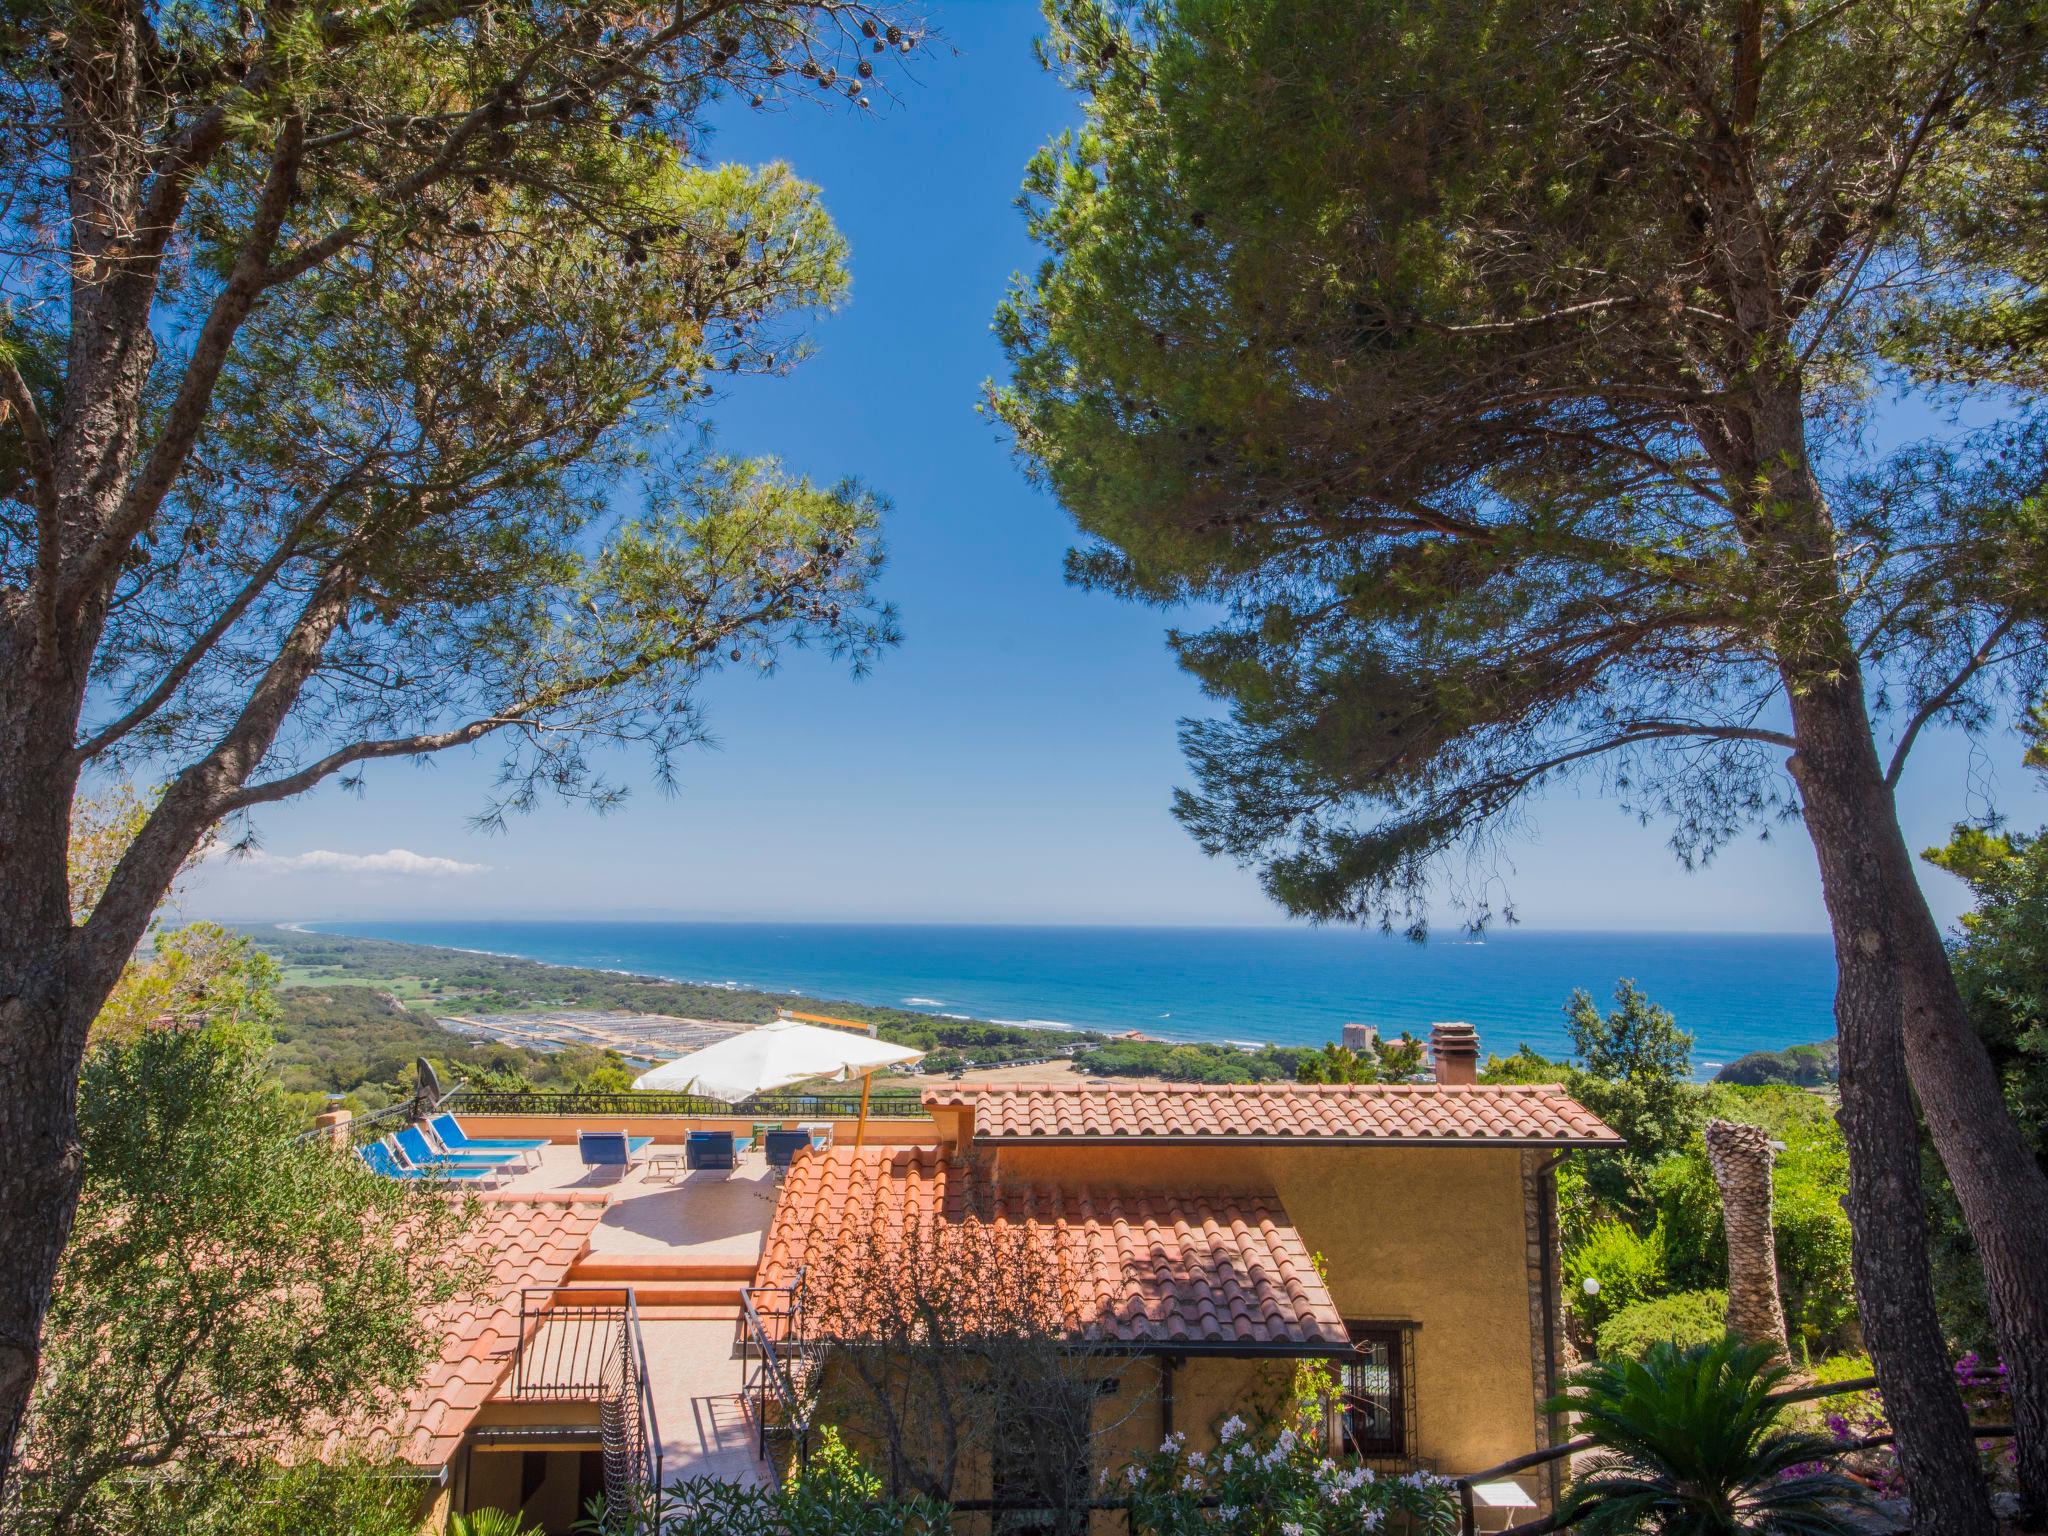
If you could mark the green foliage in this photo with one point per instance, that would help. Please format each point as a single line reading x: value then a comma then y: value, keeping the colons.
x: 1390, y: 1061
x: 227, y: 1288
x: 836, y: 1494
x: 1803, y: 1066
x: 1275, y: 1479
x: 1628, y: 1267
x: 1687, y: 1441
x: 1684, y: 1318
x: 2001, y: 960
x: 1527, y: 1065
x: 1190, y: 1063
x: 489, y: 1522
x: 1632, y: 1066
x: 1811, y: 1229
x: 1314, y: 343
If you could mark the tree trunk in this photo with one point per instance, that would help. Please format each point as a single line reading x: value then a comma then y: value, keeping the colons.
x: 1881, y: 923
x: 1741, y: 1158
x: 40, y: 1168
x: 1846, y: 806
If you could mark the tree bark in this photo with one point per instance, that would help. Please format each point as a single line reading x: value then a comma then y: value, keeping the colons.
x: 40, y: 1166
x: 1882, y: 926
x: 1741, y: 1158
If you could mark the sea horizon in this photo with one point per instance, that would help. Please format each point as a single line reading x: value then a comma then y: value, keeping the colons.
x: 1211, y: 983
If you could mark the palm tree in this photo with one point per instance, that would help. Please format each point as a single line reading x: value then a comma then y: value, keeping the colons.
x: 1741, y: 1158
x: 1691, y: 1445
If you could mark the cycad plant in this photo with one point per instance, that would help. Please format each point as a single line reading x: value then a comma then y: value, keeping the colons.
x: 1691, y: 1445
x: 490, y: 1522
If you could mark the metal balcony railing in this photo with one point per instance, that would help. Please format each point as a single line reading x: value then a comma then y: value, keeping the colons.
x: 777, y: 1364
x: 586, y: 1346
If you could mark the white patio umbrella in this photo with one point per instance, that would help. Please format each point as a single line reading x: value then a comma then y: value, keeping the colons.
x: 778, y: 1055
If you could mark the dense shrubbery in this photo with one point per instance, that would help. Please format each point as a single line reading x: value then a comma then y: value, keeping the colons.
x: 228, y: 1290
x: 1626, y: 1266
x: 1684, y: 1318
x: 1645, y: 1222
x: 1798, y: 1066
x: 1191, y: 1063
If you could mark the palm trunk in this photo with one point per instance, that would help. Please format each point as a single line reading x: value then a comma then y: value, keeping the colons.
x: 1741, y: 1159
x: 1882, y: 924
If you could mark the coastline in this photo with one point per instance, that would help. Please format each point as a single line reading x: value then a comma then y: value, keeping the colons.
x: 1218, y: 987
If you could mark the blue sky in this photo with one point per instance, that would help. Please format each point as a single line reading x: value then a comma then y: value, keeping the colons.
x: 1014, y: 760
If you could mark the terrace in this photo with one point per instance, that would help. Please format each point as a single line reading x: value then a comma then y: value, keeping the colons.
x: 652, y: 1304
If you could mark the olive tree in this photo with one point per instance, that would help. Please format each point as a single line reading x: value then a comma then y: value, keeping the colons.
x: 350, y: 363
x: 1504, y: 373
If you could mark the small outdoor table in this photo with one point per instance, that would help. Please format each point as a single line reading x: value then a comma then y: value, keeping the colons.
x: 820, y: 1131
x: 668, y: 1165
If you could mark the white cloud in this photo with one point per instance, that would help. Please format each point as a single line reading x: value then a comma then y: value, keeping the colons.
x: 393, y: 861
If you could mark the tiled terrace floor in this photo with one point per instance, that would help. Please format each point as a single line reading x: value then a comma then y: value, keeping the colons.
x: 693, y: 1216
x: 707, y: 1427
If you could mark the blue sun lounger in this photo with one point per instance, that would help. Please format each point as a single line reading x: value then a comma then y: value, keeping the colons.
x: 611, y: 1149
x: 412, y: 1141
x: 381, y: 1159
x: 456, y: 1139
x: 714, y: 1150
x: 783, y: 1146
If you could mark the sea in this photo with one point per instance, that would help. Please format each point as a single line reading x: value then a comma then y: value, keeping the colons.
x: 1249, y: 986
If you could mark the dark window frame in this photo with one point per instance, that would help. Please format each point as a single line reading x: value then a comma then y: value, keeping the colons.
x: 1398, y: 1442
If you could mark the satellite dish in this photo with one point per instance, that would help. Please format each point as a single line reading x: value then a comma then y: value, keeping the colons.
x: 430, y: 1083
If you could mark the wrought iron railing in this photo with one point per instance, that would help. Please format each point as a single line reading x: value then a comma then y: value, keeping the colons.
x: 882, y: 1104
x: 777, y: 1361
x: 379, y: 1123
x: 585, y: 1346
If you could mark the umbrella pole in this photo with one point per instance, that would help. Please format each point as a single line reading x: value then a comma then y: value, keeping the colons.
x: 860, y: 1132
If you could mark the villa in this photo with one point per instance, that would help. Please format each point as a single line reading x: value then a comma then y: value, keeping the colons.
x: 654, y: 1323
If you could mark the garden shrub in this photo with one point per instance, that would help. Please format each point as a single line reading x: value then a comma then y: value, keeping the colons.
x: 1684, y: 1319
x: 1628, y: 1265
x: 1275, y: 1481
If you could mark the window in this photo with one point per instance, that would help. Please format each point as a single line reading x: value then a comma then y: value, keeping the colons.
x: 1041, y: 1456
x: 1376, y: 1391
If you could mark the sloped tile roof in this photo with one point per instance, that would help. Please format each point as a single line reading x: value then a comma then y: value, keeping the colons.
x: 528, y: 1241
x: 1153, y: 1268
x: 1518, y: 1115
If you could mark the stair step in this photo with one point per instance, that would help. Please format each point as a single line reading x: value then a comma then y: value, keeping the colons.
x: 676, y: 1312
x: 665, y: 1295
x: 637, y: 1269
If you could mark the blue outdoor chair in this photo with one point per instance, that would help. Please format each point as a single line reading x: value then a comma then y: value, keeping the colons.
x: 412, y: 1141
x: 456, y: 1139
x: 713, y: 1151
x: 783, y: 1146
x: 611, y: 1149
x: 381, y: 1159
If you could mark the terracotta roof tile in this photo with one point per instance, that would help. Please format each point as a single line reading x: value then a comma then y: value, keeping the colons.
x: 1521, y: 1115
x: 1146, y: 1268
x: 529, y: 1241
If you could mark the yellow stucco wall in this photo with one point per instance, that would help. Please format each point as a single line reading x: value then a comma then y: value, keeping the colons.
x: 1433, y: 1236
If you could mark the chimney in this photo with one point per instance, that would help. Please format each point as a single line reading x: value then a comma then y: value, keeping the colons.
x: 1454, y: 1048
x: 334, y: 1125
x: 1360, y: 1037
